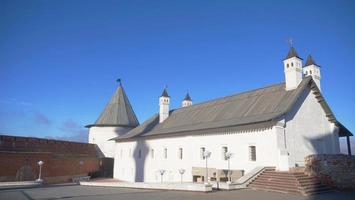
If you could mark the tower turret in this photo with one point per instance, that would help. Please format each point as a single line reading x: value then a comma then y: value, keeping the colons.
x: 187, y: 100
x: 164, y: 102
x: 312, y: 69
x: 116, y: 119
x: 292, y: 69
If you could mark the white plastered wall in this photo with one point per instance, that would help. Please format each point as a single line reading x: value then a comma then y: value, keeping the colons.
x: 308, y: 130
x: 129, y: 167
x: 102, y: 135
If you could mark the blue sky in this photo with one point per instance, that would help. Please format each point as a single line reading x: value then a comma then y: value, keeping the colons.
x: 59, y: 59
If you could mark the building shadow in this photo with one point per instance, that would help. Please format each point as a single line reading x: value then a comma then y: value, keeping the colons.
x: 140, y: 154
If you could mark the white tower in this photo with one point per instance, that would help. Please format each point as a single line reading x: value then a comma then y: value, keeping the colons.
x: 292, y: 69
x: 312, y: 69
x: 116, y: 119
x: 164, y: 102
x: 187, y: 101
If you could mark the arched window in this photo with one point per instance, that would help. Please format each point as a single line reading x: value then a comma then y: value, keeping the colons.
x: 310, y: 72
x: 288, y: 65
x: 292, y: 64
x: 306, y: 73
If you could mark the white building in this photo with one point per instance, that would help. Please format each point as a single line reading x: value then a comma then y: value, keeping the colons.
x: 275, y: 126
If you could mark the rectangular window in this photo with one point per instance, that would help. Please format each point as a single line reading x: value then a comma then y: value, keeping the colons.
x: 165, y: 153
x: 139, y: 153
x: 152, y: 153
x: 252, y: 153
x: 224, y: 152
x: 202, y: 153
x: 180, y: 153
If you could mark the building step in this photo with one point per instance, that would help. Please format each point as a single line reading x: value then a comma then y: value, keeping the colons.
x: 277, y: 177
x: 288, y: 182
x: 293, y: 183
x: 274, y: 185
x: 277, y: 189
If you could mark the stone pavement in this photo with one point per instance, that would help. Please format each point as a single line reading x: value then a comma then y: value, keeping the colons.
x: 77, y: 192
x: 18, y: 184
x: 196, y: 187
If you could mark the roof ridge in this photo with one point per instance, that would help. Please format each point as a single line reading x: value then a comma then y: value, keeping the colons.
x: 228, y: 96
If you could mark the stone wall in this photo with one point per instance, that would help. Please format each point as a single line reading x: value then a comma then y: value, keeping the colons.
x: 337, y: 171
x: 62, y: 159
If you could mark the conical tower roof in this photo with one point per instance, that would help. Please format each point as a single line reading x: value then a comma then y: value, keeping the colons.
x: 292, y: 53
x: 310, y: 61
x: 118, y: 111
x: 187, y: 97
x: 165, y: 93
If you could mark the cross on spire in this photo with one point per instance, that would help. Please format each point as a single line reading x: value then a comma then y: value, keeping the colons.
x: 290, y: 41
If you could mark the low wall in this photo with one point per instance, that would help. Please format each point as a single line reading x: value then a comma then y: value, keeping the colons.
x: 337, y: 171
x: 62, y: 159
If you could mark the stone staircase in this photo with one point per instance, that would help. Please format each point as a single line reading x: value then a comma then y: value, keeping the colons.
x: 288, y: 182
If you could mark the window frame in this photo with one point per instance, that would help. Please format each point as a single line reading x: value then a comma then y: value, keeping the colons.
x: 224, y: 152
x: 165, y: 153
x: 252, y: 153
x: 180, y: 153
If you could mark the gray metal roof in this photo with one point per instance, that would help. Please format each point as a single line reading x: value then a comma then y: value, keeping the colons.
x: 248, y: 108
x: 118, y: 111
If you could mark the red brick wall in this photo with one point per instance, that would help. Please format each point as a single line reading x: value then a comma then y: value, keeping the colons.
x: 61, y: 158
x: 336, y: 171
x: 27, y: 144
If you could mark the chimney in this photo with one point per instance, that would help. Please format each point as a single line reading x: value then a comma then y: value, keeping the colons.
x: 164, y: 102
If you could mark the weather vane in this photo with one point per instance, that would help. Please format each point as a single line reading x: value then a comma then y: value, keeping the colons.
x: 119, y: 81
x: 290, y: 41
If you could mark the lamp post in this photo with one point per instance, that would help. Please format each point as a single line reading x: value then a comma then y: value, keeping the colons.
x: 161, y: 172
x: 228, y: 157
x: 206, y: 155
x: 81, y: 163
x: 181, y: 171
x: 40, y: 163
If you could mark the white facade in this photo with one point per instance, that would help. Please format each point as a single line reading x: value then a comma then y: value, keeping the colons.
x: 141, y: 160
x: 308, y: 130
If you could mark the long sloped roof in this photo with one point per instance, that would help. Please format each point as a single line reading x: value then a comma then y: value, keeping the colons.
x: 244, y: 109
x: 118, y: 111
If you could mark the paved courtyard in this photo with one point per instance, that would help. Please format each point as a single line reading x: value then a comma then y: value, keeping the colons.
x: 86, y: 192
